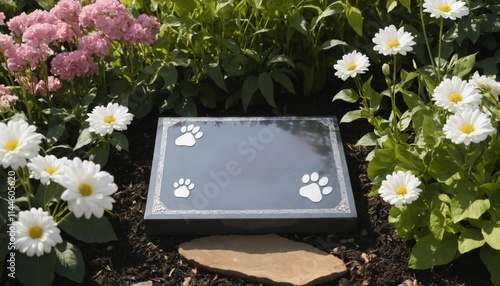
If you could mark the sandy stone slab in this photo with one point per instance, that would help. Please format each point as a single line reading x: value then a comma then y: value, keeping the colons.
x: 269, y: 259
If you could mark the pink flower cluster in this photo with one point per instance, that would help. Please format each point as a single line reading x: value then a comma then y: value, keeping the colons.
x: 42, y: 35
x: 6, y: 99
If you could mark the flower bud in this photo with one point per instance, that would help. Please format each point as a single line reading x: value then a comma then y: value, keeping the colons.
x: 386, y: 69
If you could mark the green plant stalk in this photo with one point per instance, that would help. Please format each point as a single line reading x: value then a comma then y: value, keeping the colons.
x: 440, y: 40
x: 395, y: 110
x: 25, y: 183
x: 425, y: 37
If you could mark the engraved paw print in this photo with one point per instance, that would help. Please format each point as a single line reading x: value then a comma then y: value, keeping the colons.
x: 316, y: 187
x: 183, y: 188
x: 189, y: 135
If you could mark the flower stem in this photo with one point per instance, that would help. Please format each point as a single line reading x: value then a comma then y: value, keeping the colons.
x: 440, y: 40
x: 425, y: 37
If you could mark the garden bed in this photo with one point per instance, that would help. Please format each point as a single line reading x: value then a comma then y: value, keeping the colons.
x: 136, y: 257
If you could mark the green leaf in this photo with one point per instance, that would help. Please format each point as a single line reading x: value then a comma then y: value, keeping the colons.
x: 280, y: 59
x: 300, y: 24
x: 266, y: 86
x: 437, y: 223
x: 491, y: 233
x: 355, y: 20
x: 56, y: 129
x: 186, y: 107
x: 119, y: 141
x: 382, y: 163
x: 442, y: 168
x: 250, y: 86
x: 169, y: 76
x: 45, y: 4
x: 491, y: 259
x: 184, y: 7
x: 429, y: 251
x: 283, y: 79
x: 332, y: 43
x: 465, y: 205
x: 406, y: 4
x: 69, y: 262
x: 351, y: 116
x: 214, y: 72
x: 45, y: 194
x: 369, y: 139
x: 85, y: 138
x: 348, y: 95
x: 99, y: 154
x: 89, y: 230
x: 35, y: 270
x: 207, y: 96
x: 470, y: 238
x: 407, y: 159
x: 464, y: 65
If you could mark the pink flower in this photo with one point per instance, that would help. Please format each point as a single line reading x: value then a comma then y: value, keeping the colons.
x: 143, y: 30
x: 40, y: 16
x: 6, y: 99
x: 95, y: 43
x: 18, y: 24
x: 4, y: 90
x: 67, y: 65
x: 67, y: 33
x: 42, y: 88
x: 30, y: 55
x: 7, y: 45
x: 67, y: 11
x: 2, y: 18
x: 39, y: 34
x: 108, y: 16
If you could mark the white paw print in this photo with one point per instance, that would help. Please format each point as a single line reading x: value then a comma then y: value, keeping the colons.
x: 183, y: 188
x: 316, y: 187
x: 189, y: 135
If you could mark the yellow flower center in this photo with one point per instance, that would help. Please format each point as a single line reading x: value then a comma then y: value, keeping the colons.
x: 467, y: 128
x: 455, y: 97
x: 11, y: 145
x: 36, y: 232
x: 109, y: 119
x: 401, y: 190
x: 393, y: 44
x: 51, y: 170
x: 444, y: 8
x: 85, y: 189
x: 351, y: 67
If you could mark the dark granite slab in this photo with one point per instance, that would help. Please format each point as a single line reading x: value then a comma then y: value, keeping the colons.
x: 249, y: 175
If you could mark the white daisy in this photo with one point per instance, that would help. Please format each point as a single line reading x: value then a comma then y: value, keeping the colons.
x: 351, y: 65
x: 47, y: 169
x: 390, y: 41
x: 448, y: 9
x: 36, y: 232
x: 487, y: 84
x: 18, y: 142
x: 455, y: 94
x: 468, y: 126
x: 105, y: 119
x: 88, y: 189
x: 400, y: 188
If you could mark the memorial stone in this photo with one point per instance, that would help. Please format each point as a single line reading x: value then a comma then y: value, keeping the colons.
x: 249, y: 175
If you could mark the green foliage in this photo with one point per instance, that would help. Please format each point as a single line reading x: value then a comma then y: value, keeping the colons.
x: 457, y: 210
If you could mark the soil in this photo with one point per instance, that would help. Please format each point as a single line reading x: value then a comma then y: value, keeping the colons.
x: 373, y: 254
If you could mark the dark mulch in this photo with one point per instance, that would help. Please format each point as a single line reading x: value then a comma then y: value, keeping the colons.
x: 136, y: 257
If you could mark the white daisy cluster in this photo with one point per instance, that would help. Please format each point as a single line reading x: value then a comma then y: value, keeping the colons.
x: 467, y: 124
x: 392, y: 41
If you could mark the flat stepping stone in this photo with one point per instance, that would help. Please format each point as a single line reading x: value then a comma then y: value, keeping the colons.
x: 269, y: 259
x: 249, y: 175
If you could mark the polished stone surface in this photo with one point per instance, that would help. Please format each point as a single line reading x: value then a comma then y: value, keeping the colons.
x: 249, y: 175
